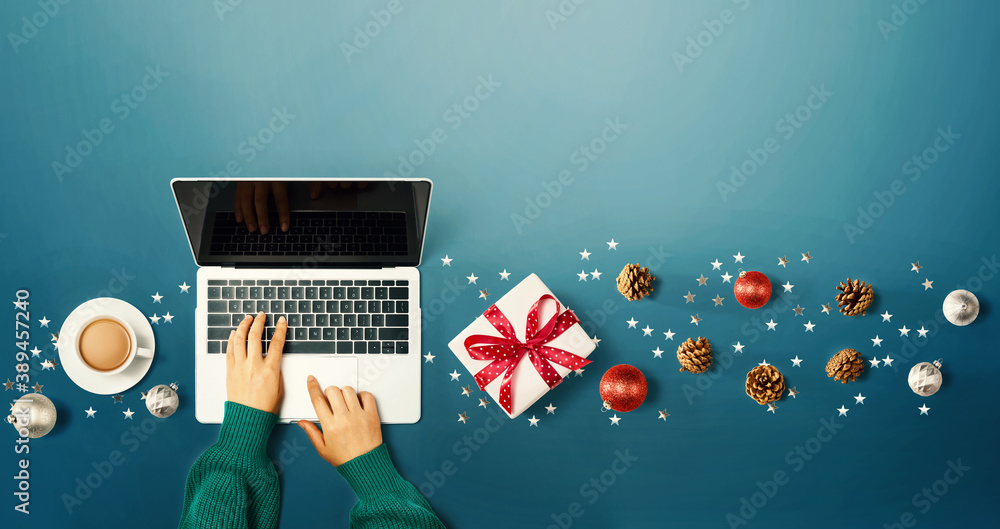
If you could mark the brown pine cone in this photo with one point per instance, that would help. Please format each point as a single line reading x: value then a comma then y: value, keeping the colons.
x: 765, y: 384
x: 634, y: 281
x: 845, y: 366
x: 695, y: 357
x: 854, y: 297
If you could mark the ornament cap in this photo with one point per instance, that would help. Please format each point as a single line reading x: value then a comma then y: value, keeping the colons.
x: 741, y: 272
x: 937, y: 363
x: 604, y: 407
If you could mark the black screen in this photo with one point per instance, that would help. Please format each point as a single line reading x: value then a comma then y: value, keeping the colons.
x: 311, y: 223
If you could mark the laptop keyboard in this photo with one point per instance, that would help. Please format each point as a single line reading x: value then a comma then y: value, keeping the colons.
x: 314, y: 233
x: 349, y: 317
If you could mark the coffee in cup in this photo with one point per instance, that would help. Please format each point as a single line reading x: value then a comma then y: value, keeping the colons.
x: 107, y: 345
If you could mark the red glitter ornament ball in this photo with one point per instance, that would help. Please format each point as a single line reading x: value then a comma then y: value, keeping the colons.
x: 623, y: 388
x: 752, y: 289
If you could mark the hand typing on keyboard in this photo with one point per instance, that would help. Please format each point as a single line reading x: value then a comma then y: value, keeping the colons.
x: 350, y: 422
x: 251, y: 379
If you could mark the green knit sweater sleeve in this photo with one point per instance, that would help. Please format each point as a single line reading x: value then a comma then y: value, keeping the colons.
x: 385, y: 499
x: 234, y: 485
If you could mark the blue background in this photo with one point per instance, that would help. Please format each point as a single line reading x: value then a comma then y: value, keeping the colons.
x: 659, y: 190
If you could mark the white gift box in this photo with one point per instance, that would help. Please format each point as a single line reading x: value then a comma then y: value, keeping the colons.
x: 527, y: 385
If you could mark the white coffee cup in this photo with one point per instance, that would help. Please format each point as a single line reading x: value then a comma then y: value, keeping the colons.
x: 107, y: 345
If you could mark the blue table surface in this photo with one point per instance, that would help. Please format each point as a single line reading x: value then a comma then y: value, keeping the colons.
x: 862, y: 132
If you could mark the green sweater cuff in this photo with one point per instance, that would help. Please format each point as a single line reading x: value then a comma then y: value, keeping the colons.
x: 371, y: 474
x: 245, y: 430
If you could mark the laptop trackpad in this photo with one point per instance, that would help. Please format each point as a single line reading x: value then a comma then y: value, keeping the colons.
x: 329, y: 371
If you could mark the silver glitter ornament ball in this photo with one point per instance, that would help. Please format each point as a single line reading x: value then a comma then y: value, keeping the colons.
x: 33, y: 415
x: 925, y: 378
x: 162, y: 400
x: 961, y: 307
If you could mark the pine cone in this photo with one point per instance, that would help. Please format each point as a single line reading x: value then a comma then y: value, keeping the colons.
x: 765, y: 384
x: 634, y: 281
x: 845, y: 365
x: 695, y: 357
x: 854, y: 297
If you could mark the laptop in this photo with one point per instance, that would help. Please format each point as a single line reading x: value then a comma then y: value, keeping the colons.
x: 343, y: 274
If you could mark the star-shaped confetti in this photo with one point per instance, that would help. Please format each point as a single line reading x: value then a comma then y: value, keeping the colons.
x: 596, y: 340
x: 8, y: 385
x: 796, y: 362
x: 472, y: 278
x: 504, y: 275
x: 689, y: 297
x: 886, y: 316
x: 118, y: 398
x: 466, y: 391
x: 663, y: 414
x: 798, y: 310
x: 614, y: 419
x: 788, y: 286
x: 584, y: 255
x: 595, y: 274
x: 826, y: 308
x: 582, y: 275
x: 455, y: 374
x: 888, y: 361
x: 874, y: 362
x: 657, y: 353
x: 55, y: 337
x: 716, y: 265
x: 90, y: 412
x: 578, y: 372
x: 915, y: 267
x: 38, y: 387
x: 702, y: 280
x: 533, y: 420
x: 843, y: 411
x: 154, y: 319
x: 738, y: 348
x: 612, y: 245
x: 782, y: 261
x: 446, y: 261
x: 904, y: 331
x: 647, y: 331
x: 631, y: 323
x: 726, y: 277
x: 429, y: 358
x: 860, y: 399
x: 128, y: 413
x: 771, y: 325
x: 793, y: 392
x: 35, y: 351
x: 764, y: 363
x: 484, y: 401
x: 550, y: 409
x: 44, y: 322
x: 806, y: 257
x: 738, y: 257
x: 928, y: 284
x: 462, y: 418
x: 483, y: 294
x: 772, y: 407
x: 922, y: 332
x: 809, y: 326
x: 156, y: 297
x: 924, y: 409
x: 47, y: 364
x: 695, y: 319
x: 717, y: 300
x: 876, y: 341
x: 669, y: 335
x: 184, y: 287
x: 168, y: 318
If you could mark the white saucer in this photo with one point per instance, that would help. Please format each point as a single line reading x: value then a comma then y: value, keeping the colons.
x: 82, y: 375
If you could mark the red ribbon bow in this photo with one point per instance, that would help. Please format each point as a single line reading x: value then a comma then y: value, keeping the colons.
x: 506, y: 350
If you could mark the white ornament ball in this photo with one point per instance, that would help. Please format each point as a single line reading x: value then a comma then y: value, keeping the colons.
x: 33, y: 415
x: 961, y: 307
x: 162, y: 400
x: 925, y: 378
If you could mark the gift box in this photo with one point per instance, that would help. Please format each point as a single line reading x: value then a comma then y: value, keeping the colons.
x: 522, y: 346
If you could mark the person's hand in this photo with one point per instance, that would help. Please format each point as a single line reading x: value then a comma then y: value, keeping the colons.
x: 251, y: 204
x: 351, y: 426
x: 252, y: 379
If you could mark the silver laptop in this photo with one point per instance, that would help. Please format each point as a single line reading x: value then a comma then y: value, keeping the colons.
x: 336, y: 257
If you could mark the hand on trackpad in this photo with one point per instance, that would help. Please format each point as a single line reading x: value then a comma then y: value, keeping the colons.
x: 329, y: 371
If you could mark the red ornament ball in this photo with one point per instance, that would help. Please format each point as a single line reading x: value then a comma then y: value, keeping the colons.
x: 752, y: 289
x: 623, y: 388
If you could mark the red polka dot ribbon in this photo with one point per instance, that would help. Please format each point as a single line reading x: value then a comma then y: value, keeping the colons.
x: 506, y: 351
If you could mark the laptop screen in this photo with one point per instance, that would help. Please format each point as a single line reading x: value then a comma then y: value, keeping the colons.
x: 310, y: 223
